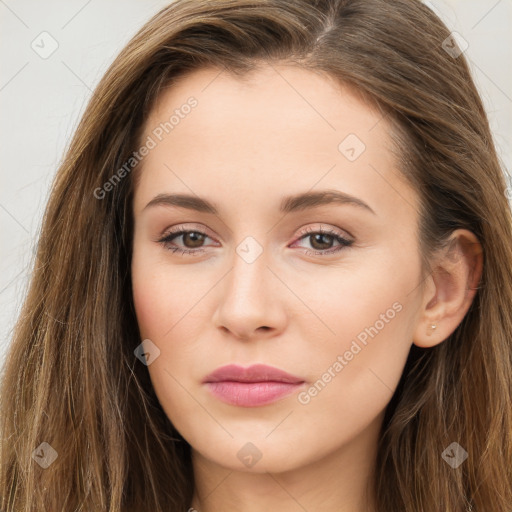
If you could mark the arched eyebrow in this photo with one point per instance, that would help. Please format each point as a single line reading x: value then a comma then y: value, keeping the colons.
x: 288, y: 204
x: 320, y: 198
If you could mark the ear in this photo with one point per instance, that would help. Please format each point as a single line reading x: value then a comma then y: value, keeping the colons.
x: 450, y: 288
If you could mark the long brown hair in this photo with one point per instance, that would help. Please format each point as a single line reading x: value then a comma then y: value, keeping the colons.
x: 71, y: 378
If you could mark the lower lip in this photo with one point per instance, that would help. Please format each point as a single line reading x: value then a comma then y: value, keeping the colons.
x: 251, y: 394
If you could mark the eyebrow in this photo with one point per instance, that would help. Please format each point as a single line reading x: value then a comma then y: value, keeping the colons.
x: 289, y: 204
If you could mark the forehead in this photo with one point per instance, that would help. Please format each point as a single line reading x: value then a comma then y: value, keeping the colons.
x: 291, y: 94
x: 277, y: 128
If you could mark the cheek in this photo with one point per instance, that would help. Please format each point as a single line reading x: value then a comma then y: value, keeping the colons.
x: 165, y: 303
x: 168, y: 309
x: 158, y: 308
x: 147, y: 304
x: 353, y: 377
x: 152, y: 296
x: 156, y: 292
x: 370, y: 318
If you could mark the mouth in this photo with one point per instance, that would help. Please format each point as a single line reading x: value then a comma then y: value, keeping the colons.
x: 253, y: 386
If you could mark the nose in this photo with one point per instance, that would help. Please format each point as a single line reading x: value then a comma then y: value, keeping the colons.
x: 249, y: 304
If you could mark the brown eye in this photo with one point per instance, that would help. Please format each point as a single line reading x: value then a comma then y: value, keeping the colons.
x: 192, y: 241
x: 321, y: 241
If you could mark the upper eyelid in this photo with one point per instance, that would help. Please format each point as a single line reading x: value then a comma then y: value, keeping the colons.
x: 324, y: 228
x: 344, y: 242
x: 179, y: 230
x: 186, y: 227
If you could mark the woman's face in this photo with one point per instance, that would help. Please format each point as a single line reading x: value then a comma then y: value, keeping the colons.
x: 258, y: 282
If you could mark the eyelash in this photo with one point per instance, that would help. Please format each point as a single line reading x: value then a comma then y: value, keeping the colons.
x: 175, y: 233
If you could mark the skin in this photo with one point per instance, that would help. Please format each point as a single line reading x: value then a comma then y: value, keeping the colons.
x: 246, y: 145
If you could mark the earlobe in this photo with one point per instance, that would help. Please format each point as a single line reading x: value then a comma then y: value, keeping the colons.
x: 454, y: 280
x: 431, y: 329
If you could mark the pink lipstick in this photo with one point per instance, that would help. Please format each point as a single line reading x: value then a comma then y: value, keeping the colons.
x: 251, y: 387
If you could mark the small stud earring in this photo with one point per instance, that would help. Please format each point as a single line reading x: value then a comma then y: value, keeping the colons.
x: 431, y: 329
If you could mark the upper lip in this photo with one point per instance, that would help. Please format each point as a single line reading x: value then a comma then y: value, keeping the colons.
x: 254, y: 373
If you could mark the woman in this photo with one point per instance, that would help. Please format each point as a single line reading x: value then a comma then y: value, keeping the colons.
x: 171, y: 273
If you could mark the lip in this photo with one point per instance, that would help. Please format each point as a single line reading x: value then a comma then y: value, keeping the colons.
x: 254, y: 373
x: 254, y: 386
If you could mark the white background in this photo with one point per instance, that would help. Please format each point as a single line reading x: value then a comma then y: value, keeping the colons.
x: 41, y: 101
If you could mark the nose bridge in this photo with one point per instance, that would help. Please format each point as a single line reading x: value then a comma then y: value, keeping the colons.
x: 249, y: 273
x: 247, y: 301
